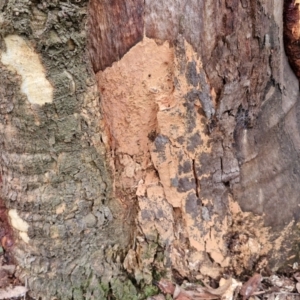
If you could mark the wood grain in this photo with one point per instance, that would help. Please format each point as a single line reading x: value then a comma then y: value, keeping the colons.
x: 113, y: 28
x: 291, y: 34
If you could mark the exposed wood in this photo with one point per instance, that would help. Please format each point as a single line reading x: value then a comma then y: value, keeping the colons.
x: 117, y: 25
x: 291, y: 33
x: 180, y: 157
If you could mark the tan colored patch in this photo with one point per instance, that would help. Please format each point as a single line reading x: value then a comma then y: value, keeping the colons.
x: 140, y: 102
x: 251, y: 239
x: 16, y: 221
x: 19, y: 224
x: 21, y: 58
x: 61, y: 208
x: 149, y: 134
x: 296, y: 27
x: 24, y: 236
x: 131, y: 91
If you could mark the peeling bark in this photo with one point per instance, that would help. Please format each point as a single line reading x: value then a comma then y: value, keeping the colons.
x: 212, y: 141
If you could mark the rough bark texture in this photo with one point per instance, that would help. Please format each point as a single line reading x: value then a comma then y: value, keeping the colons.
x: 56, y: 183
x: 217, y: 100
x: 186, y: 165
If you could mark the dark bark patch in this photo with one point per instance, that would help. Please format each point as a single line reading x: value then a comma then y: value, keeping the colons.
x: 160, y: 214
x: 180, y: 140
x: 191, y: 205
x: 232, y: 4
x: 174, y: 181
x: 194, y: 142
x: 6, y: 231
x: 190, y: 98
x: 244, y: 3
x: 146, y: 215
x: 185, y: 168
x: 185, y: 184
x: 160, y: 143
x: 191, y: 74
x: 205, y: 96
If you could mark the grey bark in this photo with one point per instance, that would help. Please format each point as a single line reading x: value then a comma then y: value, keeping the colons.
x: 52, y: 155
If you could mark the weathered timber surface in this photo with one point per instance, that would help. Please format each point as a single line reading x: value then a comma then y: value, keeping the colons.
x: 187, y: 140
x: 117, y: 25
x: 226, y: 132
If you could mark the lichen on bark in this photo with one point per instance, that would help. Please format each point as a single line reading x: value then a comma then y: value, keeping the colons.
x: 56, y: 180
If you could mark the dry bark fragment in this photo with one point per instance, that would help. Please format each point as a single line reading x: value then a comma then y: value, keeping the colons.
x: 166, y: 286
x: 251, y: 286
x: 13, y: 292
x: 285, y: 284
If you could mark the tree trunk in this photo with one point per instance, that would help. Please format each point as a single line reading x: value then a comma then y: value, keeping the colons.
x: 142, y: 139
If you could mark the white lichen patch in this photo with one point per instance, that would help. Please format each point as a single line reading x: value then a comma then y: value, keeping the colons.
x: 16, y: 221
x: 21, y: 58
x: 24, y: 236
x: 19, y: 224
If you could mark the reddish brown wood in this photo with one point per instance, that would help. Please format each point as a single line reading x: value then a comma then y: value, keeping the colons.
x: 6, y: 232
x: 291, y: 34
x: 114, y: 27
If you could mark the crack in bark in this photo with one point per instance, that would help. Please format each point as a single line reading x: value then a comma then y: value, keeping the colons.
x: 197, y: 188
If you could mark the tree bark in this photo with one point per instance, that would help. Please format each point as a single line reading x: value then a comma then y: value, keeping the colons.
x: 142, y: 139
